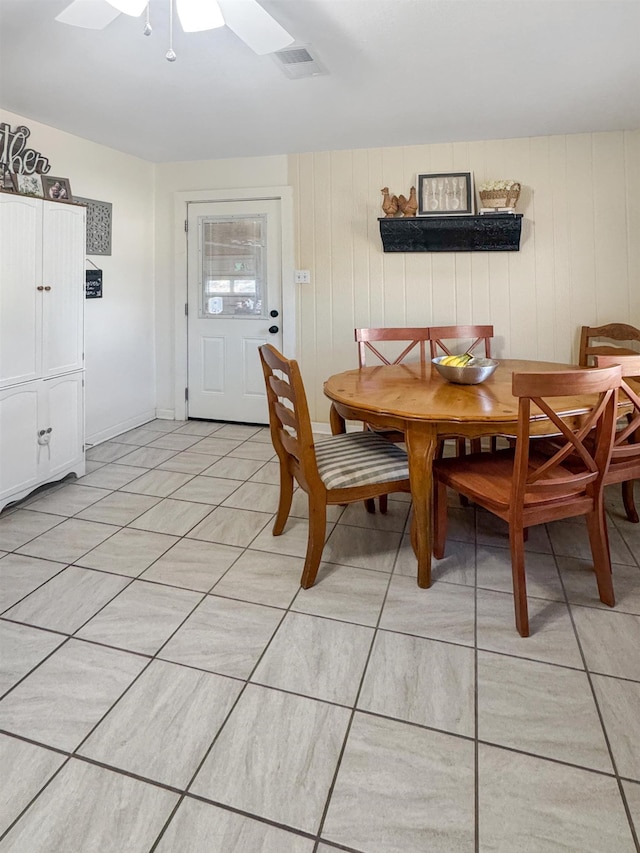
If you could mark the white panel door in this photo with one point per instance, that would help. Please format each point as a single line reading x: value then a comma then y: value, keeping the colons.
x: 63, y: 295
x: 20, y: 419
x: 20, y: 298
x: 234, y: 306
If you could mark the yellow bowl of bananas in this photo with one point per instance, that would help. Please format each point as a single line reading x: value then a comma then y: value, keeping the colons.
x: 464, y: 369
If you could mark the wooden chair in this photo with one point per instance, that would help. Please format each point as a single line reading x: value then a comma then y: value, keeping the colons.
x: 625, y: 457
x: 340, y: 469
x: 612, y: 331
x: 525, y: 487
x: 416, y: 337
x: 478, y: 335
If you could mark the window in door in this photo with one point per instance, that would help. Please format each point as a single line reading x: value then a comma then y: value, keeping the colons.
x: 233, y: 259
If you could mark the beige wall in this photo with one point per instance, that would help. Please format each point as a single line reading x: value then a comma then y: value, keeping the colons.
x: 579, y: 261
x: 119, y: 328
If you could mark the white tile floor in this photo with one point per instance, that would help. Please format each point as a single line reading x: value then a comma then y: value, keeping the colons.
x: 167, y: 686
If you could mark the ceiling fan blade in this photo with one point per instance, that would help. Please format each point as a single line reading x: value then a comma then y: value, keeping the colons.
x: 198, y: 15
x: 257, y: 29
x: 90, y: 14
x: 130, y: 7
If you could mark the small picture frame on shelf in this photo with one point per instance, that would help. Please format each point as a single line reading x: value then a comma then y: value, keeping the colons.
x: 445, y: 194
x: 29, y: 184
x: 57, y: 189
x: 7, y: 182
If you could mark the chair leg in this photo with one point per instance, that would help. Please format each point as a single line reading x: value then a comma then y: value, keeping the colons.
x: 516, y: 542
x: 383, y: 503
x: 284, y: 504
x: 599, y: 541
x: 315, y: 543
x: 370, y: 505
x: 628, y: 501
x: 439, y: 519
x: 476, y: 445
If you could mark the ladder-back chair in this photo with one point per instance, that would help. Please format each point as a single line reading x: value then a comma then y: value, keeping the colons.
x: 525, y: 487
x: 613, y: 332
x: 340, y: 469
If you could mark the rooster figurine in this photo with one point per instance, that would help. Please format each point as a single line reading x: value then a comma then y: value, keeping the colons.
x: 408, y: 206
x: 389, y: 203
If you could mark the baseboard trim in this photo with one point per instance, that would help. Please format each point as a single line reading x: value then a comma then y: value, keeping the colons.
x: 118, y: 429
x: 165, y: 414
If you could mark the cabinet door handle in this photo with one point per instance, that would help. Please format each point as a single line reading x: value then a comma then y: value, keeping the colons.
x: 39, y: 287
x: 47, y: 287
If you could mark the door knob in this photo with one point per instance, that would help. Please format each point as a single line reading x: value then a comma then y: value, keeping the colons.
x: 47, y: 287
x: 274, y: 330
x: 273, y: 313
x: 39, y: 287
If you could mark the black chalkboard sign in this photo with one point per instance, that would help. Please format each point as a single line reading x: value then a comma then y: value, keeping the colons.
x: 93, y: 284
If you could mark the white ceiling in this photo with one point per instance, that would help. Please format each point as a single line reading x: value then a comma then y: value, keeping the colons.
x: 401, y: 72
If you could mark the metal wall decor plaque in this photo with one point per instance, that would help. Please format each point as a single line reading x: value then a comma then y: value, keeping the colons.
x: 98, y: 225
x: 93, y: 284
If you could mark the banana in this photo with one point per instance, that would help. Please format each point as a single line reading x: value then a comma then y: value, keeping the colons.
x: 456, y: 360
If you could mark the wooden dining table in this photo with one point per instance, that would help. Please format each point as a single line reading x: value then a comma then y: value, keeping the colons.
x: 415, y: 399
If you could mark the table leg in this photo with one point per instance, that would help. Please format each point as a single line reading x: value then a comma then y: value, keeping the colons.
x: 422, y: 441
x: 338, y: 426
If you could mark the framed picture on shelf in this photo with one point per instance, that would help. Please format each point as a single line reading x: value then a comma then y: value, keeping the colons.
x: 29, y: 184
x: 58, y: 189
x: 445, y: 194
x: 7, y: 182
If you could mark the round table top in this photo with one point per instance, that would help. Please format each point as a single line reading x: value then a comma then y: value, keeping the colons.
x: 418, y: 392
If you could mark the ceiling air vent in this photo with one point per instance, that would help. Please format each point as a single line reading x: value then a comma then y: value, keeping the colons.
x: 297, y: 62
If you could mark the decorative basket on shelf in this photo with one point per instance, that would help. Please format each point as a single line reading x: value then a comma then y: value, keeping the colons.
x: 499, y: 194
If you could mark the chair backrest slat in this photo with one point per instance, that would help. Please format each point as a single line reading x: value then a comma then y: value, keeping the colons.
x: 286, y: 416
x: 281, y: 389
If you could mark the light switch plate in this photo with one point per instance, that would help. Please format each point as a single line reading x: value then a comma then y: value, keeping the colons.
x: 303, y: 277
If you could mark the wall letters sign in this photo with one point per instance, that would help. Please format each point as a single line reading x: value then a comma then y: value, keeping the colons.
x: 16, y: 156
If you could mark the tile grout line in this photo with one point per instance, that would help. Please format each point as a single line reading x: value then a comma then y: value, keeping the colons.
x: 354, y: 709
x: 289, y: 609
x: 616, y: 775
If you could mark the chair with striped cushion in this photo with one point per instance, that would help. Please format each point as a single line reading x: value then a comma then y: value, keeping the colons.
x: 339, y: 469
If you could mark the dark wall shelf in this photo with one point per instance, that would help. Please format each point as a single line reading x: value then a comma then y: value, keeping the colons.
x: 488, y: 233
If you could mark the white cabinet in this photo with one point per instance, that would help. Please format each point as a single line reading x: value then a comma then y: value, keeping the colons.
x: 41, y: 288
x: 41, y: 343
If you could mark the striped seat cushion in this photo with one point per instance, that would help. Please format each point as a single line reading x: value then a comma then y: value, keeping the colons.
x: 359, y: 459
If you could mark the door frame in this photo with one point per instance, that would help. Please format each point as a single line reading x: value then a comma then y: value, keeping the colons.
x: 182, y: 200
